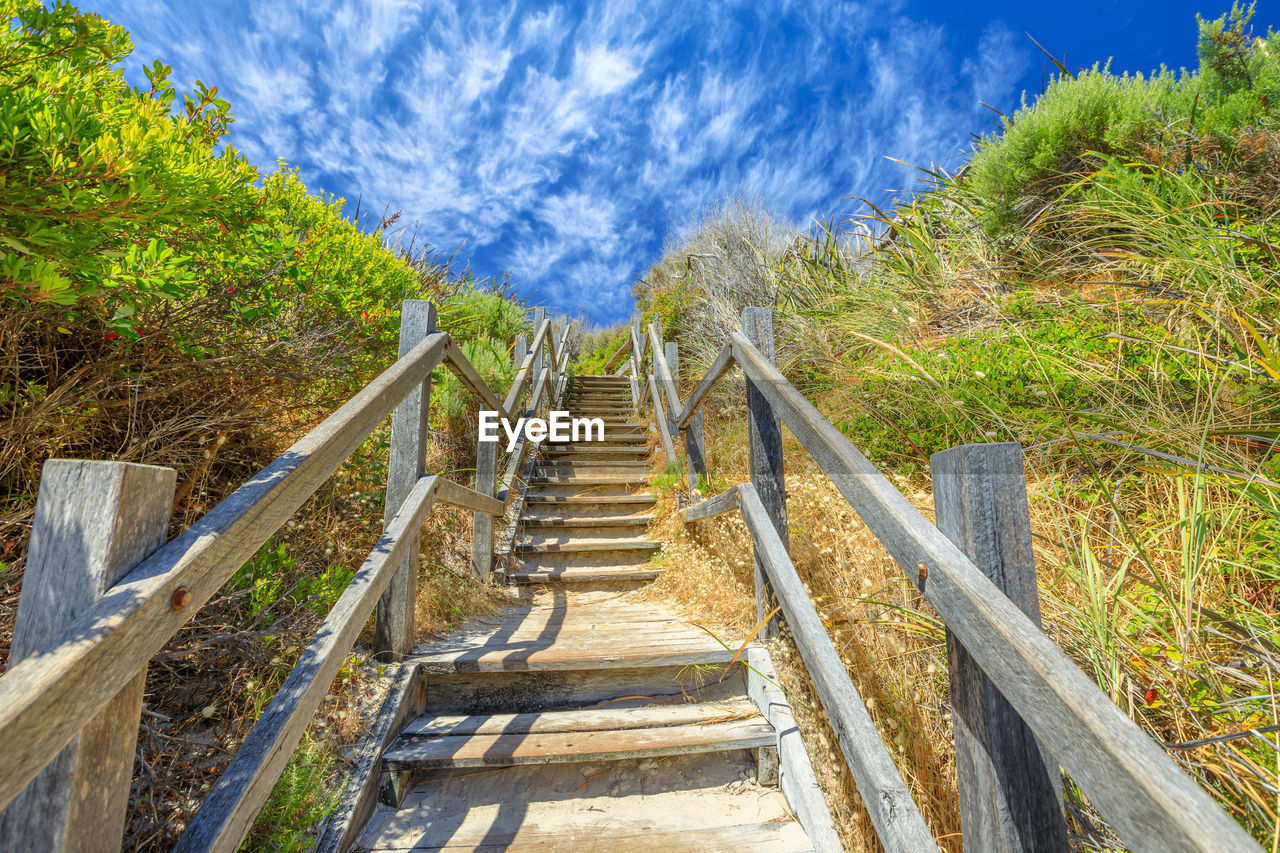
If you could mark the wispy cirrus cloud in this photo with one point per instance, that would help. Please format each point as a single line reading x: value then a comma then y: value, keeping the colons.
x: 563, y: 143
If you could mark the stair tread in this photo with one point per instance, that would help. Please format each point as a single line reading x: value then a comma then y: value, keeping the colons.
x: 779, y: 836
x: 568, y: 521
x: 584, y: 719
x: 583, y: 544
x: 589, y: 499
x: 585, y: 574
x: 504, y: 750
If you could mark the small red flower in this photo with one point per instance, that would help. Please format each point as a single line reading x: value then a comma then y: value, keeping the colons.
x: 365, y: 314
x: 298, y: 252
x: 111, y: 336
x: 1152, y: 695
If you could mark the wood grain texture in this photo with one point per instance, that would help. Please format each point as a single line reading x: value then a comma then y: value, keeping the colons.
x: 662, y: 371
x: 796, y: 778
x: 893, y: 812
x: 402, y: 703
x: 508, y: 749
x: 462, y: 368
x: 764, y: 441
x: 663, y: 433
x: 719, y: 368
x: 94, y: 522
x: 410, y: 434
x: 726, y: 501
x: 482, y: 522
x: 1152, y: 804
x: 231, y: 807
x: 46, y: 699
x: 1010, y: 797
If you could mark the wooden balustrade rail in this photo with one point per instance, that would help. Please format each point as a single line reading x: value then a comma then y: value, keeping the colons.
x: 1013, y: 800
x: 64, y: 683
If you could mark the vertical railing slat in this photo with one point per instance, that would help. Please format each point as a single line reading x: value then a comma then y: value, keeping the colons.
x: 764, y: 434
x: 1010, y: 794
x: 94, y: 522
x: 393, y: 626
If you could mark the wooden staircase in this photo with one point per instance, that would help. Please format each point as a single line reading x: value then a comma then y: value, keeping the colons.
x: 579, y: 720
x: 588, y: 505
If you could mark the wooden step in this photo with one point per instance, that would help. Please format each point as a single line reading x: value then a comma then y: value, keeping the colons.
x: 778, y: 836
x: 584, y: 719
x: 544, y: 653
x: 580, y: 500
x: 586, y: 481
x: 576, y: 521
x: 580, y: 545
x: 600, y: 449
x: 586, y: 575
x: 420, y: 752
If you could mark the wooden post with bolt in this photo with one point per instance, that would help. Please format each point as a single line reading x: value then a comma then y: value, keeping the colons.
x: 1010, y: 790
x: 393, y: 625
x: 764, y: 434
x: 94, y: 522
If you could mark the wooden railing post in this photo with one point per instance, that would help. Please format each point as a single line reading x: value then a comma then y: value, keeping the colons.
x: 694, y: 441
x: 482, y: 523
x: 521, y: 350
x: 764, y: 433
x: 1010, y: 797
x: 393, y: 626
x: 539, y: 360
x: 94, y: 522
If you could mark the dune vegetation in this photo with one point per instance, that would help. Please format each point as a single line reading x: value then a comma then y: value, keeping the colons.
x: 1099, y: 282
x: 166, y: 303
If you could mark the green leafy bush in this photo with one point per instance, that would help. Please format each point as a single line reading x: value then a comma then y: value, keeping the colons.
x: 1017, y: 171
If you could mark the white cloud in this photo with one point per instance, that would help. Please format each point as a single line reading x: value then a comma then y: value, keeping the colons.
x: 563, y: 148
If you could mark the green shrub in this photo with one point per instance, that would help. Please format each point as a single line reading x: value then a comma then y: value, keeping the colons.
x: 1018, y: 170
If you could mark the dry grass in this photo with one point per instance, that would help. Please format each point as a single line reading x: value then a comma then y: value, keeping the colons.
x: 884, y: 631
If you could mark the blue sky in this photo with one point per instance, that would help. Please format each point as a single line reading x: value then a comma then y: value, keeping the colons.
x: 564, y: 143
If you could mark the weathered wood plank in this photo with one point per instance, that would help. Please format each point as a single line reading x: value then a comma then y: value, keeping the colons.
x: 45, y: 700
x: 764, y: 438
x: 231, y: 807
x: 94, y: 522
x: 885, y: 795
x: 795, y: 772
x: 667, y: 447
x: 482, y: 522
x: 402, y: 703
x: 1137, y: 787
x: 467, y: 375
x: 505, y: 750
x: 617, y: 358
x: 528, y: 368
x: 410, y: 435
x: 726, y: 501
x: 649, y: 837
x: 694, y: 444
x: 1010, y: 797
x: 456, y: 494
x: 662, y: 371
x: 584, y: 719
x: 719, y: 368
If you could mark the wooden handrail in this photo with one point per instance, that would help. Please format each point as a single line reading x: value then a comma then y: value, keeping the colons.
x: 47, y: 698
x: 718, y: 370
x: 893, y: 812
x: 228, y: 812
x: 616, y: 358
x: 662, y: 371
x: 1137, y: 787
